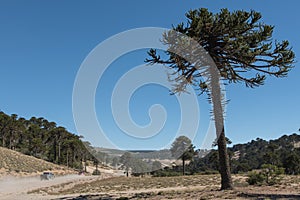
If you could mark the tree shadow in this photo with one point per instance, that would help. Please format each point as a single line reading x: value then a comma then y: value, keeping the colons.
x: 270, y: 196
x: 87, y: 197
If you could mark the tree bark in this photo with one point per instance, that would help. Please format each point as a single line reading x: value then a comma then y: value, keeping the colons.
x: 218, y: 114
x: 59, y: 153
x: 3, y: 141
x: 67, y: 157
x: 10, y: 143
x: 54, y: 151
x: 183, y: 167
x: 226, y: 180
x: 74, y: 157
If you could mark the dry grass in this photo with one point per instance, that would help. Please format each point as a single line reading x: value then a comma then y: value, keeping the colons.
x: 185, y: 187
x: 124, y: 184
x: 15, y: 163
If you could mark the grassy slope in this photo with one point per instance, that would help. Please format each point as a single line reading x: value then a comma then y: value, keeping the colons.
x: 14, y: 162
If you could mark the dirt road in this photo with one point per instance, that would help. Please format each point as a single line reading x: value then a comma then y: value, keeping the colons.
x: 15, y: 188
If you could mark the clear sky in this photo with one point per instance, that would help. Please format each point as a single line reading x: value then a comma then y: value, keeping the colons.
x: 43, y: 44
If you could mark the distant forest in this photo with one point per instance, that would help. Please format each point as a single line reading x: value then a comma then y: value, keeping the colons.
x: 45, y: 140
x: 42, y: 139
x: 283, y: 152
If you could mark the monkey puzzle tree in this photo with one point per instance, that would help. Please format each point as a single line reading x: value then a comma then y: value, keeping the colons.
x: 182, y: 148
x: 126, y: 160
x: 240, y: 49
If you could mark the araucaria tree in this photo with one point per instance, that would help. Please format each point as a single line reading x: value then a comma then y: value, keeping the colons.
x: 241, y: 49
x: 182, y: 148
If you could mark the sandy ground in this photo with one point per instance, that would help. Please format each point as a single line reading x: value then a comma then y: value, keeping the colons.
x: 17, y: 188
x: 108, y: 186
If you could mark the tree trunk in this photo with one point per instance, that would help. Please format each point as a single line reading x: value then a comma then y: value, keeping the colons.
x: 68, y: 158
x: 183, y: 167
x: 84, y: 159
x: 10, y: 143
x: 74, y: 157
x: 218, y: 114
x: 226, y: 180
x: 59, y: 153
x: 3, y: 141
x: 54, y: 151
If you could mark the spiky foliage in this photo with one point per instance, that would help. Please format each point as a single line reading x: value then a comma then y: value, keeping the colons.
x: 237, y: 42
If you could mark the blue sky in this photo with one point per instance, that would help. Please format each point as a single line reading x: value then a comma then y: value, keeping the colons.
x: 43, y: 44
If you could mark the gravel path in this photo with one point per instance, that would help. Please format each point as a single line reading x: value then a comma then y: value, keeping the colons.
x: 15, y: 188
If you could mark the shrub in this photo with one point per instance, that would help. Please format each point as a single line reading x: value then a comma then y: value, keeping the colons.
x: 96, y: 172
x: 255, y: 178
x: 208, y: 172
x: 123, y: 198
x: 272, y: 173
x: 165, y: 173
x: 269, y: 175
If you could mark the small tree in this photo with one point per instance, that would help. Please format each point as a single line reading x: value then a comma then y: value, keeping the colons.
x: 126, y: 159
x: 183, y: 149
x: 291, y: 163
x: 139, y: 167
x: 271, y: 156
x: 96, y: 171
x: 156, y: 165
x: 115, y: 162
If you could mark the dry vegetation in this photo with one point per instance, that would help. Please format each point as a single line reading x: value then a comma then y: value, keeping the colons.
x: 15, y: 163
x: 180, y: 187
x: 187, y: 187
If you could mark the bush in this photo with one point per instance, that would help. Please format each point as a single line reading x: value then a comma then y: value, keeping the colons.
x: 165, y: 173
x: 96, y: 172
x: 208, y: 172
x: 269, y: 175
x: 123, y: 198
x: 272, y: 173
x: 77, y: 165
x: 138, y: 174
x: 255, y: 178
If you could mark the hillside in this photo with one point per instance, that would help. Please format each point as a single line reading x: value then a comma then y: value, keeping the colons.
x: 283, y: 152
x: 142, y: 154
x: 15, y: 163
x: 43, y: 139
